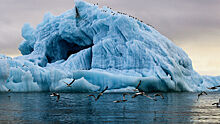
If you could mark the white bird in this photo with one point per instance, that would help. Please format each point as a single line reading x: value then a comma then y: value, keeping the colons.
x: 143, y: 94
x: 137, y: 94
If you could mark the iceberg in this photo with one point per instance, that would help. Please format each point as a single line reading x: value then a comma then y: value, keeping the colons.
x: 98, y: 47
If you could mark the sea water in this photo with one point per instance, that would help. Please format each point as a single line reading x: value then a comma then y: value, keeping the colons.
x: 79, y: 108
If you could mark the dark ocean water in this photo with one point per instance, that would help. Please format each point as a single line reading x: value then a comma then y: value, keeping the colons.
x: 78, y: 108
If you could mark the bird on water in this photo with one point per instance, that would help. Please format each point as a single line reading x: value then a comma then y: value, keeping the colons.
x: 57, y: 95
x: 143, y: 94
x: 124, y: 100
x: 217, y: 104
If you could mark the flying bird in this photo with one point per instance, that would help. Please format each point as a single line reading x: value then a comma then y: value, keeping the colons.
x: 77, y: 12
x: 149, y: 97
x: 212, y: 88
x: 69, y: 85
x: 124, y: 100
x: 143, y: 94
x: 124, y: 94
x: 137, y: 94
x: 136, y: 89
x: 100, y: 94
x: 158, y: 94
x: 202, y: 93
x: 117, y: 101
x: 57, y: 95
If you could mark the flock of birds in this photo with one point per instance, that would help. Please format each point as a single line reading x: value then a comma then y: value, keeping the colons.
x: 133, y: 96
x: 137, y: 93
x: 141, y: 93
x: 205, y: 93
x: 113, y: 13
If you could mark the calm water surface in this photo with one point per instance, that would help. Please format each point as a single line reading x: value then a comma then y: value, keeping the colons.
x: 78, y: 108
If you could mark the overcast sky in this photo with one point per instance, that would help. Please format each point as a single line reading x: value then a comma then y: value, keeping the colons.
x: 193, y: 25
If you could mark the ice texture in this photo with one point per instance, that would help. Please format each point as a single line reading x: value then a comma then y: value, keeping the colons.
x: 98, y: 48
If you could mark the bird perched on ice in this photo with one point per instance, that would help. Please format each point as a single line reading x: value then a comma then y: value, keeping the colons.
x: 57, y: 95
x: 217, y: 104
x: 100, y: 94
x: 69, y: 85
x: 124, y: 100
x: 77, y: 12
x: 202, y: 93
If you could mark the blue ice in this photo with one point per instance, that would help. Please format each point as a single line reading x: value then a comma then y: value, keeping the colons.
x: 99, y: 48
